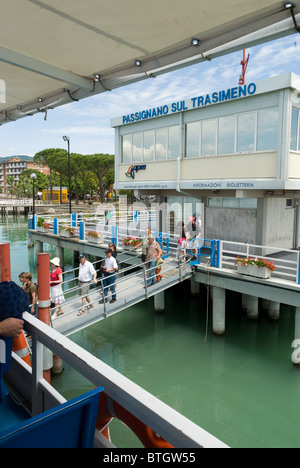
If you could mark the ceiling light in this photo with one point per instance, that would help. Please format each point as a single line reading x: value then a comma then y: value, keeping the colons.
x: 195, y: 42
x: 289, y: 5
x: 138, y: 63
x: 40, y: 99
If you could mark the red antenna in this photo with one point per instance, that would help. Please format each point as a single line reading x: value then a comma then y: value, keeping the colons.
x: 244, y: 64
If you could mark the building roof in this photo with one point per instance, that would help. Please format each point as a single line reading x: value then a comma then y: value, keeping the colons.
x: 119, y: 41
x: 22, y: 158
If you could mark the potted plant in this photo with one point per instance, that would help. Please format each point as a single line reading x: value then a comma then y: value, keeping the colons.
x: 67, y: 231
x: 42, y: 226
x: 254, y: 266
x: 95, y: 237
x: 130, y: 243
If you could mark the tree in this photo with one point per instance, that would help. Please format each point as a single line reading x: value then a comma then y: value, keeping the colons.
x: 51, y: 157
x: 102, y: 165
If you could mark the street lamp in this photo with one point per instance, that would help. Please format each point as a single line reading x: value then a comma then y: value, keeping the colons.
x: 66, y: 138
x: 33, y: 177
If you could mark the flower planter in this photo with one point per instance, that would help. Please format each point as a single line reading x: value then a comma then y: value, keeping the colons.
x: 65, y: 234
x: 95, y: 240
x: 41, y: 229
x: 129, y: 248
x: 254, y: 270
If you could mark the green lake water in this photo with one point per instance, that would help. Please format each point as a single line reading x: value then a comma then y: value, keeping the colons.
x: 242, y: 387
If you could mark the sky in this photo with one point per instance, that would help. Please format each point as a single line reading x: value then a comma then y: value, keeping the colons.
x: 87, y: 122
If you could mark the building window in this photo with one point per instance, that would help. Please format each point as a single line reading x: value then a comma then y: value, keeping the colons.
x: 295, y: 130
x: 240, y: 133
x: 267, y: 129
x: 226, y: 137
x: 126, y: 148
x: 209, y: 140
x: 159, y: 144
x: 149, y: 145
x: 246, y: 132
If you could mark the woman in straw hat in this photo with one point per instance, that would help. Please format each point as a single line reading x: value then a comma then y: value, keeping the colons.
x: 56, y: 292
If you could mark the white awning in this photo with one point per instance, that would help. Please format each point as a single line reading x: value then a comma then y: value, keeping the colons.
x: 56, y: 51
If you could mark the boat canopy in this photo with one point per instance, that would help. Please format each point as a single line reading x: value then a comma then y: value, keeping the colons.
x: 54, y: 52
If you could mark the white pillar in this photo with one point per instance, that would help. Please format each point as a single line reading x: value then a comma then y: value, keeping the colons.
x: 219, y: 300
x: 39, y: 246
x: 60, y: 255
x: 159, y: 302
x: 274, y: 310
x: 195, y: 287
x: 252, y: 307
x: 296, y: 342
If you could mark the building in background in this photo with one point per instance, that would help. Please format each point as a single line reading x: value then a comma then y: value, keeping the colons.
x: 236, y: 151
x: 14, y: 165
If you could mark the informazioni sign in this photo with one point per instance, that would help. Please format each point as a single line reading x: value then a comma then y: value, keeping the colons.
x: 205, y: 100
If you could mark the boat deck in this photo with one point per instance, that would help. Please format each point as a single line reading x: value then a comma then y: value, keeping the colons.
x: 11, y: 413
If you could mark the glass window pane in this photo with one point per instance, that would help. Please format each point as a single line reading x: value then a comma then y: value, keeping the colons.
x: 209, y: 129
x: 137, y: 147
x: 126, y: 148
x: 226, y: 135
x: 246, y: 132
x: 192, y: 139
x: 174, y: 141
x: 215, y: 202
x: 250, y: 203
x: 161, y: 144
x: 149, y: 145
x: 230, y: 203
x: 267, y: 129
x: 294, y: 129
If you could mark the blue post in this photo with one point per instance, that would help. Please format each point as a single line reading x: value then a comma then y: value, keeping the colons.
x: 55, y: 226
x: 218, y: 254
x: 114, y: 235
x: 74, y: 219
x: 213, y: 253
x: 82, y: 230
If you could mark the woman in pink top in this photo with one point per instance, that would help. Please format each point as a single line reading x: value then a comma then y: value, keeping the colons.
x: 56, y: 292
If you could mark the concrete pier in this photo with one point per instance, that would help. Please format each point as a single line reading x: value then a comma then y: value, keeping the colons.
x: 159, y: 302
x: 219, y: 306
x: 195, y: 287
x: 252, y: 307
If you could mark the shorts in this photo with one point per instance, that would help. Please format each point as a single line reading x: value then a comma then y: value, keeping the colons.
x: 144, y: 258
x: 83, y: 288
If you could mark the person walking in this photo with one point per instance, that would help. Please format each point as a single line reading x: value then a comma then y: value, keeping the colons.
x: 110, y: 268
x: 31, y: 291
x: 153, y: 254
x: 87, y: 274
x: 56, y: 292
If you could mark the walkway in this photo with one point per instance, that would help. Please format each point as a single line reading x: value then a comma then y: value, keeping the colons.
x: 130, y: 290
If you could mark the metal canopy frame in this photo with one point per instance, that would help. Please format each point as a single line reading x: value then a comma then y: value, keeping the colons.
x: 40, y: 72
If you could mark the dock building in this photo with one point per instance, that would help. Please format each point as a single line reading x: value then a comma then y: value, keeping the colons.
x: 235, y: 151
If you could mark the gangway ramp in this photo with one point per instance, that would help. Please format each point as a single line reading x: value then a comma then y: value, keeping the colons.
x: 131, y: 289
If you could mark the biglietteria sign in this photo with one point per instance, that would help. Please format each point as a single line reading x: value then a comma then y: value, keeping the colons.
x: 193, y: 103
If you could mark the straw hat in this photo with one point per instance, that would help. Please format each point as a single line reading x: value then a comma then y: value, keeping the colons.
x: 55, y: 261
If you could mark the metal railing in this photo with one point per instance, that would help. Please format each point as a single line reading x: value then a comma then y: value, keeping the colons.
x: 174, y: 266
x: 286, y: 261
x: 162, y: 419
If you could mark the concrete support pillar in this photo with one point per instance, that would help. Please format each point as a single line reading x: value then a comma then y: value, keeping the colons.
x: 195, y: 287
x: 296, y: 342
x: 60, y: 255
x: 159, y: 302
x: 274, y: 310
x: 39, y: 247
x: 252, y: 307
x: 244, y: 302
x: 219, y: 305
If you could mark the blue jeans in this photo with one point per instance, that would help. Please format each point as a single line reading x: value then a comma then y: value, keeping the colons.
x: 109, y: 283
x: 151, y: 275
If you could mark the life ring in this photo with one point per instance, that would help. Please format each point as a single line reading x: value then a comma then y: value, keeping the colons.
x: 109, y: 409
x: 21, y: 348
